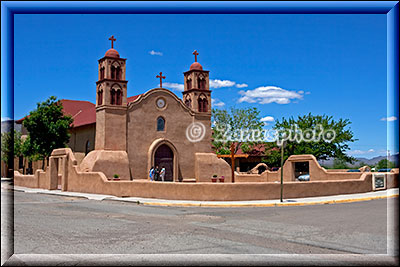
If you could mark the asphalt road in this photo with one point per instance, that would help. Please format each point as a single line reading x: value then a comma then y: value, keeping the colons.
x: 48, y: 224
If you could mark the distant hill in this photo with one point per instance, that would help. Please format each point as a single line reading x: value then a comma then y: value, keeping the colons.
x: 6, y: 126
x: 394, y: 158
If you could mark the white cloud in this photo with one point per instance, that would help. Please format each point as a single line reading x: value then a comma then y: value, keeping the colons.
x: 269, y: 94
x: 242, y: 85
x: 215, y: 102
x: 268, y: 119
x: 174, y: 86
x: 392, y: 118
x: 221, y: 83
x: 307, y: 93
x: 155, y: 53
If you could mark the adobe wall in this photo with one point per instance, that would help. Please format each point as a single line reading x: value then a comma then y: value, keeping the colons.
x: 317, y: 173
x: 96, y: 182
x: 208, y: 164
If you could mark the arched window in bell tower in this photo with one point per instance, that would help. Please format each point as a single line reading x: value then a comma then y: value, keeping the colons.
x: 119, y: 97
x: 113, y: 97
x: 101, y: 73
x: 100, y: 97
x: 189, y: 84
x: 201, y: 82
x: 188, y: 102
x: 112, y: 72
x: 118, y: 73
x: 203, y: 103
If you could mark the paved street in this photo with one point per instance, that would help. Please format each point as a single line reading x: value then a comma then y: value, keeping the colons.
x: 48, y: 224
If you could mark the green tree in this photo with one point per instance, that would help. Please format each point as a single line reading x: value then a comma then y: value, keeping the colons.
x: 25, y: 148
x: 234, y: 120
x: 321, y: 149
x: 272, y: 155
x: 385, y: 164
x: 48, y: 127
x: 17, y: 144
x: 7, y: 148
x: 339, y: 164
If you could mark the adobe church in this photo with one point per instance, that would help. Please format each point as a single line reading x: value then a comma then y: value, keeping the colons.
x: 132, y: 134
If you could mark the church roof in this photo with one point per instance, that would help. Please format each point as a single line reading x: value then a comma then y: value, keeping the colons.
x: 83, y: 112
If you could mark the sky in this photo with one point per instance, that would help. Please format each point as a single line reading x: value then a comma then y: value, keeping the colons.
x: 285, y: 65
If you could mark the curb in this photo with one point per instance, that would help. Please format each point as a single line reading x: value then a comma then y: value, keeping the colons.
x: 216, y: 205
x: 261, y: 204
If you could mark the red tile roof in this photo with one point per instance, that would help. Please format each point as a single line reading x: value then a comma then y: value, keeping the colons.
x: 133, y: 98
x: 83, y: 112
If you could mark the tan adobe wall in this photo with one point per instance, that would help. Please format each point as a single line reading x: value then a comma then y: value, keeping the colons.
x: 208, y: 164
x: 317, y: 173
x: 96, y: 182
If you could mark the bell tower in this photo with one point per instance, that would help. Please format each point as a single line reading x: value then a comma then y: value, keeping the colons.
x: 111, y: 101
x: 197, y: 94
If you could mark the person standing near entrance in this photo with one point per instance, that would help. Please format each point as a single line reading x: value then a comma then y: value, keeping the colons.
x: 151, y: 173
x: 156, y: 173
x: 162, y: 173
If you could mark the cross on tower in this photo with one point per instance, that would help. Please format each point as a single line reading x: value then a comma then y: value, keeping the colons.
x: 195, y: 55
x: 161, y: 77
x: 112, y: 39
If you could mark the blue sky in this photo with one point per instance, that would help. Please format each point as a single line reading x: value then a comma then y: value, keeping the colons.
x: 323, y: 64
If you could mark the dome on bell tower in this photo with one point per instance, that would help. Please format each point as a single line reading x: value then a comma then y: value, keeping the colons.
x: 196, y: 66
x: 112, y: 53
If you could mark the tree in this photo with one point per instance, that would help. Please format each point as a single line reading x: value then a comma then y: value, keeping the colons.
x: 272, y: 155
x: 25, y: 148
x: 234, y: 121
x: 7, y: 149
x: 385, y: 164
x: 321, y: 148
x: 48, y: 127
x: 339, y: 164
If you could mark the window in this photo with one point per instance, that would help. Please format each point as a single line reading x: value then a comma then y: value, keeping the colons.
x: 112, y: 72
x: 118, y: 73
x: 102, y: 73
x: 112, y: 96
x: 87, y: 147
x: 201, y: 83
x: 119, y: 97
x: 203, y: 104
x: 160, y: 124
x: 100, y: 97
x: 188, y: 102
x: 189, y: 84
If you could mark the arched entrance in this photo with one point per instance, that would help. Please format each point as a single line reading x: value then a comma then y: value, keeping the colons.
x: 164, y: 157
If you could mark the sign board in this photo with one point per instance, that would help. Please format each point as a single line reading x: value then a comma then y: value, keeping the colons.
x: 378, y: 181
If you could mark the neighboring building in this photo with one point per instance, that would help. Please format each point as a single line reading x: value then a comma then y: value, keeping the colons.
x: 129, y: 135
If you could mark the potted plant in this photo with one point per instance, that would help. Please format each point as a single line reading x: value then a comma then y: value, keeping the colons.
x: 214, y: 178
x: 221, y: 179
x: 116, y: 177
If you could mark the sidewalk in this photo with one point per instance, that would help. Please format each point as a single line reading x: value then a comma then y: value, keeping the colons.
x: 382, y: 194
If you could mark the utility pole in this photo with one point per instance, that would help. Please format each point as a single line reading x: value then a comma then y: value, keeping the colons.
x: 282, y: 148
